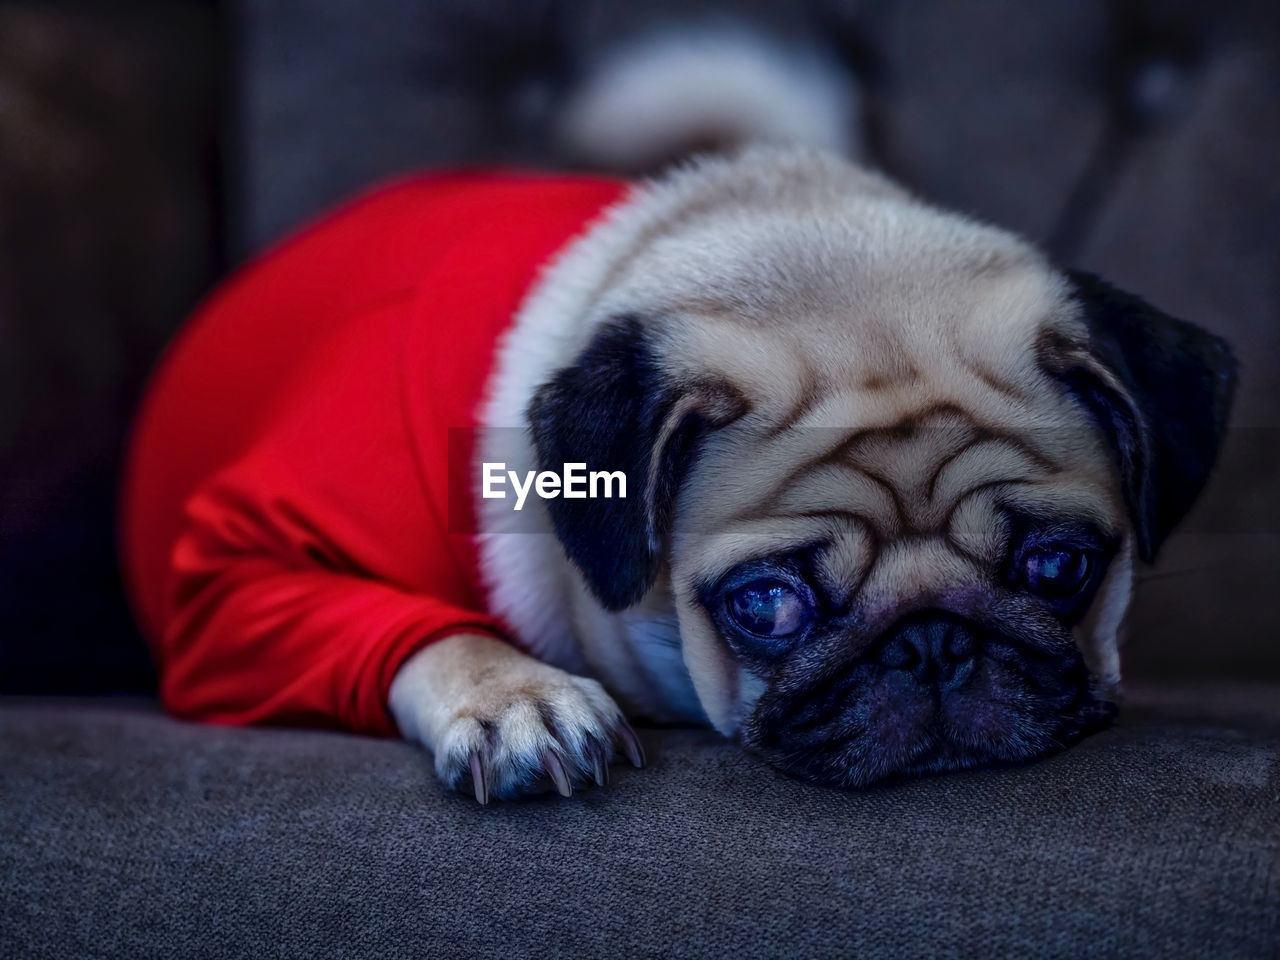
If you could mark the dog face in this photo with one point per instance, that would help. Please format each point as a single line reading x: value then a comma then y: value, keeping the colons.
x: 895, y: 467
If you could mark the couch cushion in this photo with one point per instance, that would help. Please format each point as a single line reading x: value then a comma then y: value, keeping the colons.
x: 127, y: 834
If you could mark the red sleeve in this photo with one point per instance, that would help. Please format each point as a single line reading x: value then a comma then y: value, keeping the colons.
x: 309, y: 570
x: 274, y: 626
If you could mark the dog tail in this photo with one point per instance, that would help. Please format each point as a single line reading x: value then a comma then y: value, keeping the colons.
x: 675, y: 92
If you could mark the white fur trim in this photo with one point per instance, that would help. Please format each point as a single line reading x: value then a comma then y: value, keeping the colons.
x: 670, y: 90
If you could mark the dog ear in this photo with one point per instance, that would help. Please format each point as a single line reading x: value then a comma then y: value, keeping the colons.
x: 614, y: 409
x: 1160, y: 388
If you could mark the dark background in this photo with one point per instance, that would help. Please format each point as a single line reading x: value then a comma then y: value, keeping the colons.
x: 147, y: 148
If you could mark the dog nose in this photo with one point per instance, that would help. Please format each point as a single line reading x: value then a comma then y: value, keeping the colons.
x: 934, y: 648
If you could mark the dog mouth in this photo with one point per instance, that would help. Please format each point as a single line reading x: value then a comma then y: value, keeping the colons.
x: 935, y: 694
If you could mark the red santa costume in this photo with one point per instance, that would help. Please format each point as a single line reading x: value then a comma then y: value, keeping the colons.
x: 285, y: 518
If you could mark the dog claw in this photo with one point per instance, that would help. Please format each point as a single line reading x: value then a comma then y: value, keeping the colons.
x: 478, y: 780
x: 551, y: 763
x: 630, y: 743
x: 600, y: 768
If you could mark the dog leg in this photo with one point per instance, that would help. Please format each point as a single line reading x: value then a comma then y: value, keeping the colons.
x: 505, y: 722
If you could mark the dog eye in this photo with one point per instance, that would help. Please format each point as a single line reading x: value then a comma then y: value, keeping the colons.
x: 769, y: 608
x: 1056, y: 571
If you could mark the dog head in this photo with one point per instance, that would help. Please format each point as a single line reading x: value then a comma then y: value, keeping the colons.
x: 895, y: 470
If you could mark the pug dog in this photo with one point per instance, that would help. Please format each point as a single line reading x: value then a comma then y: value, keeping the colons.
x: 892, y: 470
x: 887, y: 475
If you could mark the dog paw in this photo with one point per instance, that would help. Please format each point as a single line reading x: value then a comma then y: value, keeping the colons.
x: 560, y: 729
x: 504, y: 723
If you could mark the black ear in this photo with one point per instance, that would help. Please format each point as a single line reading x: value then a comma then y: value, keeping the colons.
x: 1161, y: 388
x: 615, y: 409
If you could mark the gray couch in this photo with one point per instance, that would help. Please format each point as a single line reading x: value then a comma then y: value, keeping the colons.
x: 127, y: 834
x: 1134, y: 138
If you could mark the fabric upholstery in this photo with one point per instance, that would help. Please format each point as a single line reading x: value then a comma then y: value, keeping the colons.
x: 126, y: 834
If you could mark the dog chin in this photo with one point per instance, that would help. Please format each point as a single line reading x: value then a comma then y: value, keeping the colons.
x: 871, y: 723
